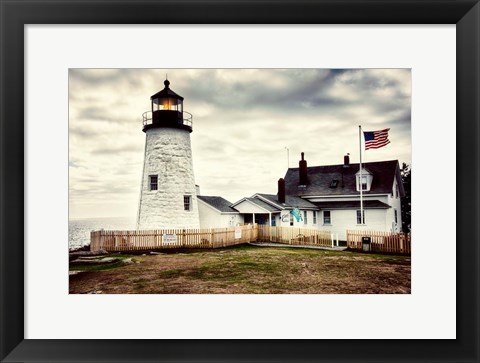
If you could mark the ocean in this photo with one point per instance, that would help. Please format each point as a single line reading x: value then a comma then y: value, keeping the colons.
x: 79, y: 229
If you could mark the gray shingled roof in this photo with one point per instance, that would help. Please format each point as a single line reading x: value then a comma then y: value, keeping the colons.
x: 367, y: 204
x: 219, y: 203
x: 320, y: 179
x: 290, y: 201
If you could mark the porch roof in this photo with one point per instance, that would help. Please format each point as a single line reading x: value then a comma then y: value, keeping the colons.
x: 291, y: 201
x: 263, y: 204
x: 367, y: 204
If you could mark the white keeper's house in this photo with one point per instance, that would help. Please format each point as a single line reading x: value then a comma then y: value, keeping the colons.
x: 335, y: 191
x: 323, y: 197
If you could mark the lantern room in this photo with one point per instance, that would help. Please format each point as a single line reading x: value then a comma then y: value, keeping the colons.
x: 167, y: 111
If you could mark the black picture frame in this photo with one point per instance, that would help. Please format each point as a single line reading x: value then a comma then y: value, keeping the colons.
x: 16, y: 14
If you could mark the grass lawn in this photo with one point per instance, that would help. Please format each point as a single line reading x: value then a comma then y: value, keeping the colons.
x: 248, y: 270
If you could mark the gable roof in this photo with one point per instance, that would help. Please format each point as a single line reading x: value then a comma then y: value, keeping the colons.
x: 291, y: 201
x: 320, y: 179
x: 264, y: 205
x: 218, y: 203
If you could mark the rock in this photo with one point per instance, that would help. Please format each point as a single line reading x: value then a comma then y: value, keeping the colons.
x: 89, y: 258
x: 91, y: 261
x: 74, y: 255
x: 83, y: 248
x: 156, y: 253
x: 108, y: 259
x: 128, y: 261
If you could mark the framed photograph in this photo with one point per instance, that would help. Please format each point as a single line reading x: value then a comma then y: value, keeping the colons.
x: 40, y: 321
x: 213, y: 183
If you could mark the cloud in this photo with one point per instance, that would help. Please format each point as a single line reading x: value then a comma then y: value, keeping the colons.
x: 104, y: 77
x: 73, y: 164
x: 117, y: 149
x: 242, y: 121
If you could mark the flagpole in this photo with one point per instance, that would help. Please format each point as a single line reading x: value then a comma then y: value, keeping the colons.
x: 288, y: 157
x: 361, y: 180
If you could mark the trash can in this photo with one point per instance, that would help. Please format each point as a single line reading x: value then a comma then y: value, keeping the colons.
x: 366, y: 243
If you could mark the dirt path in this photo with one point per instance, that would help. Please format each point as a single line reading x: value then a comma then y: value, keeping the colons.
x: 249, y: 269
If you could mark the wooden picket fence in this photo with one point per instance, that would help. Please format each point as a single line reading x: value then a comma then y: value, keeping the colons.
x: 381, y: 241
x: 222, y: 237
x: 172, y: 238
x: 295, y: 236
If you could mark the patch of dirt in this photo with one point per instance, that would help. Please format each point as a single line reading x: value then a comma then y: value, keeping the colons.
x: 250, y: 270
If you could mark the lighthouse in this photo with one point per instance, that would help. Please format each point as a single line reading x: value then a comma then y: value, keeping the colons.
x: 168, y: 197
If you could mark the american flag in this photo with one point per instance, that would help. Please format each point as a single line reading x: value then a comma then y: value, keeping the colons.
x: 376, y: 139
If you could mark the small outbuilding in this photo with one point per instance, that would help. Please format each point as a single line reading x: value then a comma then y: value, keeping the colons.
x: 217, y: 212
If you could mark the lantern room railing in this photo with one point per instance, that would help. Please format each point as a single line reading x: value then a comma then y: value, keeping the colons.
x: 148, y: 118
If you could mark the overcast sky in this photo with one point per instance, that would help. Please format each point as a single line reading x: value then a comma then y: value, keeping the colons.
x: 242, y: 122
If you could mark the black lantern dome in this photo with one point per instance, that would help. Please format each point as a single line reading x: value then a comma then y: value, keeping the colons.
x: 167, y: 111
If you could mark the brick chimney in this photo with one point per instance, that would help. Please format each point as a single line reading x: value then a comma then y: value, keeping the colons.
x: 346, y: 161
x: 303, y: 171
x: 281, y: 190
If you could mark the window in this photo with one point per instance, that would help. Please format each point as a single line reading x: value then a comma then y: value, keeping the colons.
x: 334, y: 183
x: 153, y: 182
x: 396, y: 216
x: 166, y: 103
x: 291, y: 219
x: 274, y: 221
x: 364, y: 182
x: 305, y: 217
x: 314, y: 217
x: 326, y: 217
x: 359, y: 221
x: 187, y: 201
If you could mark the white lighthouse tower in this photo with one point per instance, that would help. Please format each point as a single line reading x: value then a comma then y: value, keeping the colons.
x: 168, y: 196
